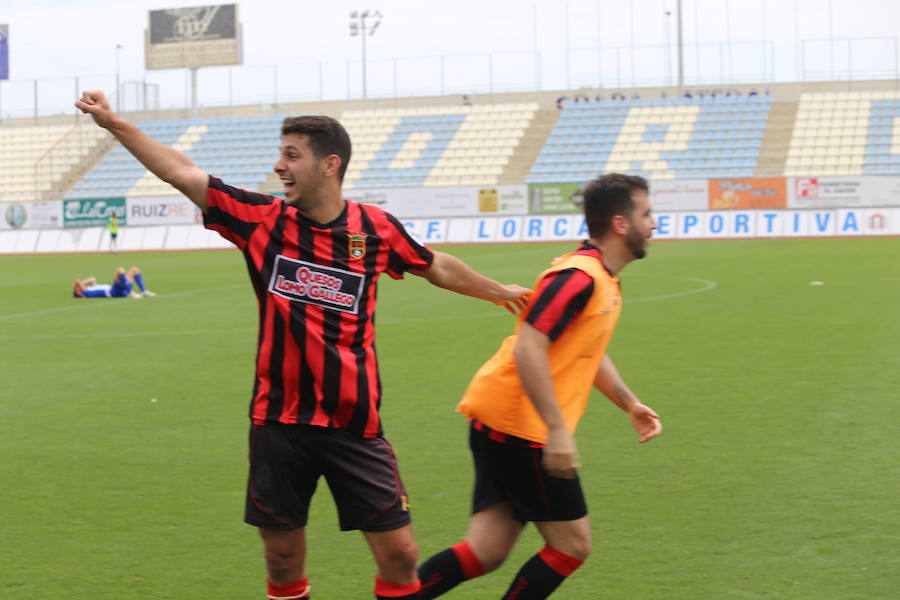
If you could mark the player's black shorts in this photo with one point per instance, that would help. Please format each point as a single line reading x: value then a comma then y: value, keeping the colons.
x: 286, y: 462
x: 510, y: 469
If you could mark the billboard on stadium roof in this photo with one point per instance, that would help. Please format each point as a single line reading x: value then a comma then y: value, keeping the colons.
x: 198, y: 36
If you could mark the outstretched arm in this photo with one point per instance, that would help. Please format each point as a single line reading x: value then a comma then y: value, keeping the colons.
x: 450, y: 273
x: 169, y: 164
x: 643, y: 418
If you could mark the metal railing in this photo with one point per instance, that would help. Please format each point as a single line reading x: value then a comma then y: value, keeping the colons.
x: 706, y: 64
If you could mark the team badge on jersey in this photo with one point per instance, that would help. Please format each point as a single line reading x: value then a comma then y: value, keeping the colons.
x: 357, y: 245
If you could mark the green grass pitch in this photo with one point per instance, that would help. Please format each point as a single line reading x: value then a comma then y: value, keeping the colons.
x: 776, y: 476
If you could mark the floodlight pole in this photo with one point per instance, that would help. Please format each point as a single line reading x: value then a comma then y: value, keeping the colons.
x: 359, y: 27
x: 194, y: 107
x: 118, y: 83
x: 680, y: 54
x: 363, y: 37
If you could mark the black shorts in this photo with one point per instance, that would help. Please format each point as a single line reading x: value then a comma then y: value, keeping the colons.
x: 510, y: 469
x: 286, y: 462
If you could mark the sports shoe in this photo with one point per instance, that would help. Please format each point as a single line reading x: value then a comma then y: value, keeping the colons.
x: 134, y: 295
x: 149, y: 293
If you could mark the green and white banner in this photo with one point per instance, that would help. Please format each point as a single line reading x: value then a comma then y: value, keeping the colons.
x: 554, y: 198
x: 93, y: 211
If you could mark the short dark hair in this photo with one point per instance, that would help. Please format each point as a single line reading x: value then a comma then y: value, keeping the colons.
x: 607, y: 196
x: 326, y: 137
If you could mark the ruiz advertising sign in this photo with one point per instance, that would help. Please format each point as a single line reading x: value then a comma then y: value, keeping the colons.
x: 162, y: 210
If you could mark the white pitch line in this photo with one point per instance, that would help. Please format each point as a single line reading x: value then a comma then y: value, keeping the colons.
x: 105, y: 302
x: 707, y: 286
x: 124, y: 334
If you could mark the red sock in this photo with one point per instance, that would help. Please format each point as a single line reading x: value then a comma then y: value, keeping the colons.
x: 541, y: 575
x: 468, y: 561
x: 386, y: 590
x: 447, y: 569
x: 560, y: 562
x: 290, y: 591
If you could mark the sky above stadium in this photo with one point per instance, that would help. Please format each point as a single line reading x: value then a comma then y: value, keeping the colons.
x: 465, y: 46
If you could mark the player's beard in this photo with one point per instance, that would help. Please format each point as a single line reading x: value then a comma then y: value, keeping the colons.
x: 307, y: 191
x: 636, y: 243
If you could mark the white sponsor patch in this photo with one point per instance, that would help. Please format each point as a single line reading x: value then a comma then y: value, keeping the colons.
x: 328, y: 287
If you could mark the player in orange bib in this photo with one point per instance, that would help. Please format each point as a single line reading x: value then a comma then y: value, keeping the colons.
x: 525, y: 403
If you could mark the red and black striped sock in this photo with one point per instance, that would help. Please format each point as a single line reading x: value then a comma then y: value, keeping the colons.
x: 386, y: 590
x: 447, y: 569
x: 541, y: 575
x: 290, y: 591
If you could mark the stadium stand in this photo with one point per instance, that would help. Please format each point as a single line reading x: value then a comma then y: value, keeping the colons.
x: 240, y: 150
x: 816, y: 133
x: 415, y: 147
x: 659, y: 139
x: 434, y: 146
x: 846, y: 133
x: 35, y: 160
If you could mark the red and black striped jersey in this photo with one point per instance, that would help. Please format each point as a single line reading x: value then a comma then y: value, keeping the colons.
x: 561, y: 296
x: 316, y: 287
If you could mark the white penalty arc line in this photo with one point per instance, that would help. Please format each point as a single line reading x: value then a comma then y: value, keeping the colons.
x: 708, y: 285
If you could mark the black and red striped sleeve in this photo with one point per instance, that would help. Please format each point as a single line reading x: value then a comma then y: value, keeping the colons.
x: 404, y: 253
x: 234, y: 213
x: 560, y: 297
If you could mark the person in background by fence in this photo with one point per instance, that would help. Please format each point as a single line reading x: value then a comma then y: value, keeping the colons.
x: 113, y: 226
